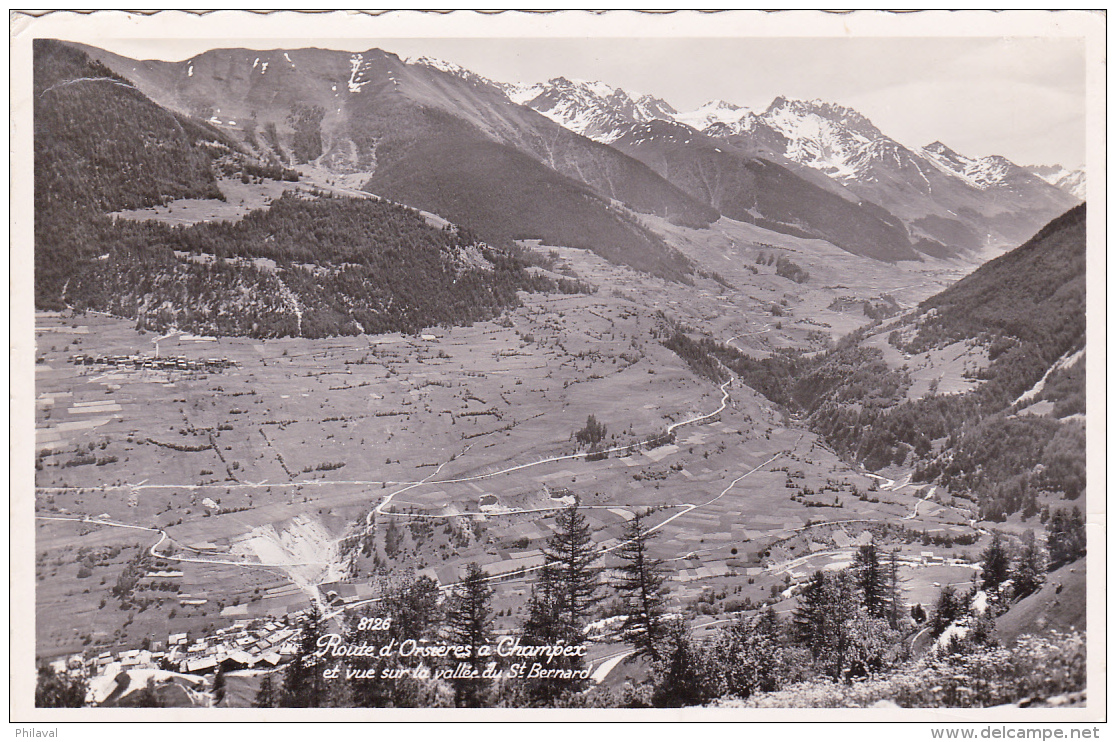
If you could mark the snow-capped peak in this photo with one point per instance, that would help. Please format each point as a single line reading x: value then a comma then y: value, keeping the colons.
x: 523, y: 93
x: 838, y: 115
x: 438, y: 64
x: 1070, y: 181
x: 980, y: 173
x: 591, y: 108
x: 596, y: 87
x: 453, y: 69
x: 713, y: 112
x: 825, y: 136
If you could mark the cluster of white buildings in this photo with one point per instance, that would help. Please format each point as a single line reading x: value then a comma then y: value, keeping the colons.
x: 244, y: 645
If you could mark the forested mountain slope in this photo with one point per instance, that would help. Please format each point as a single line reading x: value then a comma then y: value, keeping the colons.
x: 1034, y: 294
x: 992, y: 443
x: 431, y: 139
x: 331, y: 266
x: 100, y: 145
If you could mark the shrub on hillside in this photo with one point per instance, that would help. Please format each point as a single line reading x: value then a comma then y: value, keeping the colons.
x: 1035, y: 667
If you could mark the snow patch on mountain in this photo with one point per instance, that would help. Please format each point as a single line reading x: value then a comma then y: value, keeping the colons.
x: 438, y: 64
x: 660, y: 131
x: 591, y: 108
x: 523, y: 93
x: 982, y: 173
x: 823, y: 136
x: 1070, y: 181
x: 453, y: 69
x: 713, y: 112
x: 355, y: 84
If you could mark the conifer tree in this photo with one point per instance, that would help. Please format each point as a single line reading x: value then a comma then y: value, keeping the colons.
x: 995, y: 564
x: 641, y: 584
x: 823, y: 618
x: 367, y: 688
x: 469, y: 623
x: 894, y: 594
x: 303, y: 684
x: 338, y: 693
x: 812, y: 622
x: 545, y: 624
x: 593, y: 433
x: 414, y: 610
x: 572, y: 555
x: 746, y: 657
x: 872, y: 581
x: 680, y: 676
x: 266, y: 696
x: 948, y: 609
x: 770, y: 626
x: 1065, y: 536
x: 1030, y: 568
x: 218, y: 686
x: 560, y: 602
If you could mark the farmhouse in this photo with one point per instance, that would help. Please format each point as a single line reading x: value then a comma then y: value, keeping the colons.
x: 339, y: 593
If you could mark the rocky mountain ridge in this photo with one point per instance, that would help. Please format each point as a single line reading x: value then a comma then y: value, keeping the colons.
x: 960, y: 203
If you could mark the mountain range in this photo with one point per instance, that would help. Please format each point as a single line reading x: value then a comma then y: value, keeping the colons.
x: 310, y: 264
x: 878, y: 312
x: 577, y: 163
x: 1072, y: 181
x: 441, y: 141
x: 943, y: 197
x: 564, y: 162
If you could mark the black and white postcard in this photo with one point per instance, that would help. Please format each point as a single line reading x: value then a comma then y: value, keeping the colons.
x: 672, y: 366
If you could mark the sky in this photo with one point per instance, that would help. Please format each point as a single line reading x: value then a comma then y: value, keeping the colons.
x: 1020, y: 97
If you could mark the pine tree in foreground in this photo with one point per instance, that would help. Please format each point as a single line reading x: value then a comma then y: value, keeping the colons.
x: 641, y: 584
x: 560, y: 603
x: 872, y: 581
x: 411, y: 610
x: 469, y: 623
x: 746, y: 656
x: 543, y: 623
x: 302, y: 683
x: 573, y: 556
x: 825, y: 603
x: 894, y: 593
x: 844, y: 639
x: 546, y: 623
x: 266, y: 696
x: 414, y: 610
x: 681, y: 675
